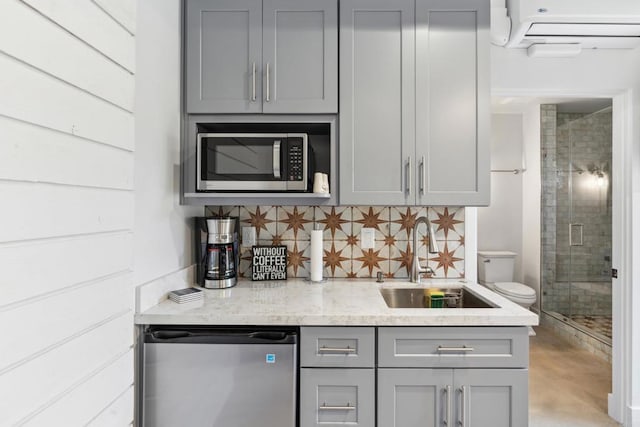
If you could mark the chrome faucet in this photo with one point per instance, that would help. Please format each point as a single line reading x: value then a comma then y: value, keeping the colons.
x: 432, y: 248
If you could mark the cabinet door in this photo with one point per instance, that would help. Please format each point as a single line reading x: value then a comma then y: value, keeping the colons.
x: 415, y: 397
x: 223, y: 48
x: 377, y: 102
x: 300, y: 52
x: 452, y: 102
x: 337, y: 397
x: 491, y: 397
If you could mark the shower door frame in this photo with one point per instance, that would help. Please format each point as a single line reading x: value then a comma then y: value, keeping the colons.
x: 570, y: 169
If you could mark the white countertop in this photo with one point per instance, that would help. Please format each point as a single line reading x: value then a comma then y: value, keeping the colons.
x: 337, y: 302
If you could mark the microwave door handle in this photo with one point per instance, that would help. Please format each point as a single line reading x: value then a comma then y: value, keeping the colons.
x: 276, y: 158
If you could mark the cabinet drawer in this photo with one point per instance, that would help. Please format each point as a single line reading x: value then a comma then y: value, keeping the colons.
x: 337, y: 347
x: 453, y: 347
x: 337, y: 397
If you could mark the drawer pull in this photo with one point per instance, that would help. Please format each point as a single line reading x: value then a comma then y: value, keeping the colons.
x: 326, y: 407
x: 463, y: 348
x: 324, y: 349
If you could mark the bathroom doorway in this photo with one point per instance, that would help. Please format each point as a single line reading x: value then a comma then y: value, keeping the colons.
x: 521, y: 105
x: 576, y: 217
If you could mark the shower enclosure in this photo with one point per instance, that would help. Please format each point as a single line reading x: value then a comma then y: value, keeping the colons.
x: 576, y: 219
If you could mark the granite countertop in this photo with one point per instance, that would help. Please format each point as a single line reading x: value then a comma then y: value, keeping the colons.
x: 337, y: 302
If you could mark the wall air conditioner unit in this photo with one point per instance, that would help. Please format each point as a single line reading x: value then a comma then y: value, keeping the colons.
x: 589, y: 23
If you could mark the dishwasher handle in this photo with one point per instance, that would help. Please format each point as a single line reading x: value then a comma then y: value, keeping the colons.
x: 223, y: 335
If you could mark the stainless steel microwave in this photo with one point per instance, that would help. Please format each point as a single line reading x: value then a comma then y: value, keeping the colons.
x: 276, y: 162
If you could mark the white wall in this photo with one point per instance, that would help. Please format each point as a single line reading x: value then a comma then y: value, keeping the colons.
x: 610, y: 73
x: 531, y: 201
x: 66, y: 185
x: 500, y: 224
x: 163, y: 241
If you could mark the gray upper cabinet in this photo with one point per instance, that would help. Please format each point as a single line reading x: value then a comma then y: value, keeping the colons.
x: 223, y: 56
x: 414, y: 102
x: 255, y: 56
x: 377, y: 93
x: 452, y: 102
x: 300, y: 53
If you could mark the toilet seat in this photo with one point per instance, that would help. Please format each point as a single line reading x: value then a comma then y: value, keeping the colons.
x: 515, y: 290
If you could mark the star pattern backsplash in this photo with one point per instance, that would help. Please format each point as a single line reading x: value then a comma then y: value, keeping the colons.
x: 343, y: 256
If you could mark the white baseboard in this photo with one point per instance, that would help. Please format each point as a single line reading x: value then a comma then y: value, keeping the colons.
x: 632, y: 418
x: 614, y: 409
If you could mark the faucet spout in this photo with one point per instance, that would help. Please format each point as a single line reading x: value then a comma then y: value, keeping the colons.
x: 432, y: 248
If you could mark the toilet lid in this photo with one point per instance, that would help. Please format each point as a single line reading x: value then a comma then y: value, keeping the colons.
x: 515, y: 289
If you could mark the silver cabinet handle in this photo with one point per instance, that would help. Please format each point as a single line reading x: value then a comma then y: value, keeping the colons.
x: 325, y: 407
x: 422, y: 175
x: 268, y: 84
x: 463, y: 348
x: 276, y: 159
x: 463, y: 414
x: 408, y: 172
x: 336, y: 350
x: 447, y: 391
x: 253, y: 82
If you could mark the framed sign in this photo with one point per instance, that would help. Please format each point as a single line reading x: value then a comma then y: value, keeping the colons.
x: 269, y: 263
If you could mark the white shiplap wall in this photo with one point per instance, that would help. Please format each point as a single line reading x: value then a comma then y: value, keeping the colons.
x: 66, y: 211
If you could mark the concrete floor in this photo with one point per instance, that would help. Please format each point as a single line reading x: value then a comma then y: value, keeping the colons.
x: 568, y: 386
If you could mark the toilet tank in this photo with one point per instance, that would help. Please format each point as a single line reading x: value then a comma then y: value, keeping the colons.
x: 496, y: 266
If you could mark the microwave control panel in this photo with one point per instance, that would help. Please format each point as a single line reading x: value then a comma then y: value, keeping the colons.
x: 295, y: 159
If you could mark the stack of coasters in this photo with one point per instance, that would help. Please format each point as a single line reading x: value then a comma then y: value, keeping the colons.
x: 186, y: 295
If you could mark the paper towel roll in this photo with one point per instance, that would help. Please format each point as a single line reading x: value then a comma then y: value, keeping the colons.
x: 316, y: 255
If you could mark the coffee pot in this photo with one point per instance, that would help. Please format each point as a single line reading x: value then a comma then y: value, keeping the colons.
x: 217, y: 249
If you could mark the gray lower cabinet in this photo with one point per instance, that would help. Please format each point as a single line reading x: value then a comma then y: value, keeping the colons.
x: 331, y: 347
x: 453, y: 376
x: 425, y: 376
x: 491, y: 397
x: 414, y: 102
x: 452, y: 397
x: 413, y: 397
x: 261, y: 56
x: 453, y: 347
x: 337, y: 397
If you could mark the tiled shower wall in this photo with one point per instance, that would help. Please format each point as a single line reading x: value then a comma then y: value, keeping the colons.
x: 589, y: 138
x: 554, y: 298
x: 576, y: 149
x: 343, y: 255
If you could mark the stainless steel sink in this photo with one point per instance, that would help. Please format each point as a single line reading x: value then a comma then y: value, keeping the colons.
x: 416, y: 298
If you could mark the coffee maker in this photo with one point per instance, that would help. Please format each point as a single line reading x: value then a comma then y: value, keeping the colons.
x: 217, y: 251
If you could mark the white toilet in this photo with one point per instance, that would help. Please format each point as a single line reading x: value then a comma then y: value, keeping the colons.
x: 495, y: 271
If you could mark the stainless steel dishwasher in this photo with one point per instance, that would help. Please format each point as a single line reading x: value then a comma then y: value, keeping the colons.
x: 219, y: 377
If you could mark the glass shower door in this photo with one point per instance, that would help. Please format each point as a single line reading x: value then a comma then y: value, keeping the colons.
x: 584, y: 218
